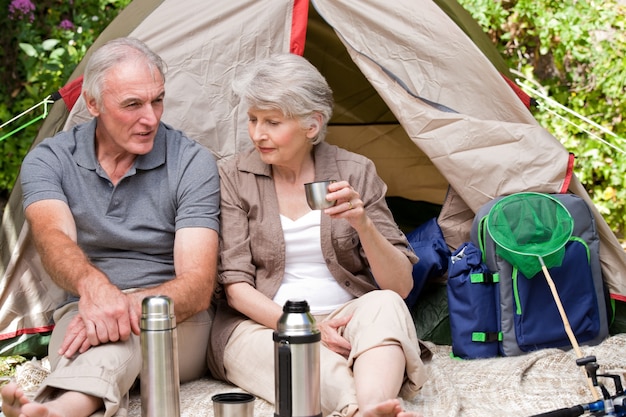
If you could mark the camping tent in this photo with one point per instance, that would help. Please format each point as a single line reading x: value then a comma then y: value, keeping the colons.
x: 413, y: 92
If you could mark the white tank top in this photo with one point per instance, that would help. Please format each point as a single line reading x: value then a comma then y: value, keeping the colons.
x: 306, y: 274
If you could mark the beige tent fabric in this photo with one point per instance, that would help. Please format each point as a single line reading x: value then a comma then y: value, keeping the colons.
x: 455, y: 220
x: 419, y: 44
x: 612, y: 257
x: 27, y: 294
x: 13, y: 216
x: 521, y: 155
x: 28, y: 302
x: 406, y: 170
x: 204, y: 44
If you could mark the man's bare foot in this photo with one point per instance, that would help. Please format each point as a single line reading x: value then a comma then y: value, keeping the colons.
x: 389, y: 408
x: 13, y: 399
x: 15, y: 404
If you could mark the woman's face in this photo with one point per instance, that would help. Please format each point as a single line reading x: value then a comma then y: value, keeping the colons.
x: 278, y: 139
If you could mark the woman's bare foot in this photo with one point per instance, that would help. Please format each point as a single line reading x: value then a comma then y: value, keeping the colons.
x: 389, y: 408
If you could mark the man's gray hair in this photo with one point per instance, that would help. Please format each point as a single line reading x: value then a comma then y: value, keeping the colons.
x: 112, y: 53
x: 290, y: 84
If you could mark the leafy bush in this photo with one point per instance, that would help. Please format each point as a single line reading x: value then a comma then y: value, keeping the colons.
x: 8, y: 365
x: 41, y: 43
x: 574, y: 53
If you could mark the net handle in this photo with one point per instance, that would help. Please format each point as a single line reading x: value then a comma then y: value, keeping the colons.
x: 566, y: 323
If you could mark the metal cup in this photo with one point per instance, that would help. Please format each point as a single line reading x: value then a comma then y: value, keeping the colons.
x: 233, y: 404
x: 316, y: 194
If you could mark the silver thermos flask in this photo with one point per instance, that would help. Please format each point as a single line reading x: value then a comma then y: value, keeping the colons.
x: 297, y: 362
x: 159, y: 379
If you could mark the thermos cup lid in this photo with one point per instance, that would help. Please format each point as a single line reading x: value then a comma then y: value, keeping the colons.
x: 296, y: 306
x: 157, y: 313
x: 233, y: 404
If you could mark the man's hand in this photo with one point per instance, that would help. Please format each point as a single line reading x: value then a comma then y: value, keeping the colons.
x: 75, y: 338
x: 331, y: 335
x: 109, y: 317
x: 107, y: 314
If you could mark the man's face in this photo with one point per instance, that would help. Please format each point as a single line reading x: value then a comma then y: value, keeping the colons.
x: 130, y: 109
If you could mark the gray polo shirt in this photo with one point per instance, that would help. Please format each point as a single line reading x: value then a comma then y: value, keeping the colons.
x: 127, y: 230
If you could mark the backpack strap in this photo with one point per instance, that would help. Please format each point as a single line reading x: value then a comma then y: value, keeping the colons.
x: 484, y: 278
x: 481, y: 237
x: 486, y: 337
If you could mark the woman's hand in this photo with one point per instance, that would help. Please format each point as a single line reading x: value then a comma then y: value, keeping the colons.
x: 349, y: 205
x: 390, y: 267
x: 332, y: 335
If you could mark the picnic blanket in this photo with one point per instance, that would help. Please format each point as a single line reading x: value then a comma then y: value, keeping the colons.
x: 519, y: 386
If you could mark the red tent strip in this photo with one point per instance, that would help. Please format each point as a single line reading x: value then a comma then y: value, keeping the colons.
x: 526, y: 99
x: 299, y: 20
x: 69, y: 92
x: 31, y: 330
x: 570, y: 172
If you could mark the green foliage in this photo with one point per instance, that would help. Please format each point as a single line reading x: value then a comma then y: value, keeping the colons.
x: 575, y: 50
x: 41, y: 43
x: 8, y: 365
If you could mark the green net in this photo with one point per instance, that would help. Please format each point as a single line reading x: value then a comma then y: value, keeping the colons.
x: 528, y: 228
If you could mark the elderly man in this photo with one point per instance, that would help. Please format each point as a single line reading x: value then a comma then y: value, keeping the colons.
x: 120, y: 208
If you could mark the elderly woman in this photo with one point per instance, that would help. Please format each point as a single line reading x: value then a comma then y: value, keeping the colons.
x: 350, y: 262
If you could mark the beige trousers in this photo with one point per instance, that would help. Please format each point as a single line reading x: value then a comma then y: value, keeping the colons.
x: 109, y: 371
x: 378, y: 318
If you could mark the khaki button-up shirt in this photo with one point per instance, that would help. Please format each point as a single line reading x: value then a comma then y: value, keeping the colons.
x: 253, y: 246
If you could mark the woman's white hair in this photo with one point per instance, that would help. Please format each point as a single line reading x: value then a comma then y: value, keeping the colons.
x: 290, y: 84
x: 112, y: 53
